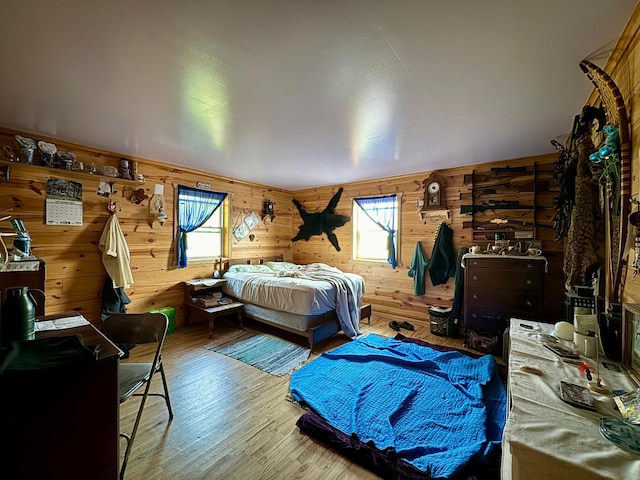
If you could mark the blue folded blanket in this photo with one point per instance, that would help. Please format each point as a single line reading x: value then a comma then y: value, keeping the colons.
x: 436, y: 410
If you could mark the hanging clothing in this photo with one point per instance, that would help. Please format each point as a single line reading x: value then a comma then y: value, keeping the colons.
x: 114, y: 300
x: 443, y: 260
x: 417, y: 270
x: 115, y: 253
x: 458, y: 296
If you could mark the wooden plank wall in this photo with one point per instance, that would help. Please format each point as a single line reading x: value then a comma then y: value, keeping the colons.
x: 75, y: 274
x: 623, y: 66
x: 391, y: 291
x: 74, y: 269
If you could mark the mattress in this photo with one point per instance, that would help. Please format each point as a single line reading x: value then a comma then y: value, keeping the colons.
x: 274, y: 285
x: 302, y: 323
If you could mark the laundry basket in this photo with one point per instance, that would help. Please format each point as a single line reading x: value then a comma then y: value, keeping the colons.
x: 439, y: 320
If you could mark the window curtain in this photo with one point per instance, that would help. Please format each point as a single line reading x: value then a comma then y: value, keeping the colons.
x: 194, y: 208
x: 382, y: 210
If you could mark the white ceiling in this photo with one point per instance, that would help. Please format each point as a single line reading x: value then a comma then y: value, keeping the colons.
x: 298, y: 94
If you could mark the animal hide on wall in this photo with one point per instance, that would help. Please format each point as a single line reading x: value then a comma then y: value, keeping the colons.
x: 317, y: 223
x: 581, y: 259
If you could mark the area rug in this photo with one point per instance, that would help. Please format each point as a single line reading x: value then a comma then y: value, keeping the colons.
x: 269, y: 354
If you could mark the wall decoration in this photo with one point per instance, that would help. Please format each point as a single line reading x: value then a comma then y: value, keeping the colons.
x: 63, y: 205
x: 432, y: 208
x: 240, y: 232
x: 248, y: 224
x: 434, y: 197
x: 268, y: 211
x: 317, y: 223
x: 251, y: 220
x: 157, y: 215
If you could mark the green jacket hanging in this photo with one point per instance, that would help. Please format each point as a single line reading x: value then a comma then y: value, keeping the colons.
x: 418, y: 269
x: 443, y: 259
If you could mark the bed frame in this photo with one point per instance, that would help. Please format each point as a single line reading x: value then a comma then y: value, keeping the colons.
x: 324, y: 325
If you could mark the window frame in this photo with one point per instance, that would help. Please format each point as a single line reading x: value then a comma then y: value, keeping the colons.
x: 226, y: 207
x: 225, y: 247
x: 357, y: 211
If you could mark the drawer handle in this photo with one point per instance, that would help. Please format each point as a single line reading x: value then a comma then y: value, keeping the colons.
x: 530, y: 266
x: 475, y: 277
x: 474, y: 315
x: 529, y: 303
x: 529, y: 282
x: 475, y: 297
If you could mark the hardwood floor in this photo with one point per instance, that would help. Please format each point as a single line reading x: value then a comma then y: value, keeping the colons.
x: 231, y: 420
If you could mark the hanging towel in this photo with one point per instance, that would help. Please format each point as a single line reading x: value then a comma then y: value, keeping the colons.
x: 417, y: 270
x: 115, y: 254
x: 443, y: 261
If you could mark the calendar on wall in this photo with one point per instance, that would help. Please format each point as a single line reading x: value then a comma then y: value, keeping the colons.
x: 63, y: 205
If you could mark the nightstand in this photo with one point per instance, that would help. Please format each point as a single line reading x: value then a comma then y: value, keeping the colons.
x: 203, y: 296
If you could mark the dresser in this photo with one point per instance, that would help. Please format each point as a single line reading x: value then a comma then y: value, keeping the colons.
x: 498, y: 287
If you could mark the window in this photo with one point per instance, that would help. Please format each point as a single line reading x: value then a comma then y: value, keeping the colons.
x: 209, y: 241
x: 375, y: 224
x: 203, y: 219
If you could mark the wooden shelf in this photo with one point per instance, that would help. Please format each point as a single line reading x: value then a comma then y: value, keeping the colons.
x: 70, y: 174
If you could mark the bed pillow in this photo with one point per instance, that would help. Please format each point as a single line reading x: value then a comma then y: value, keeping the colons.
x: 279, y: 266
x: 250, y: 268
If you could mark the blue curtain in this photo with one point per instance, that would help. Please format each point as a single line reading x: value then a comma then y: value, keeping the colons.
x: 382, y: 210
x: 194, y: 208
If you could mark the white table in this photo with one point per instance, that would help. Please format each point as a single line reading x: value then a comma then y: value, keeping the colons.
x: 544, y: 437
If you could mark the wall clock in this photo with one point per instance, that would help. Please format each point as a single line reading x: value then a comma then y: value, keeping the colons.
x: 434, y: 198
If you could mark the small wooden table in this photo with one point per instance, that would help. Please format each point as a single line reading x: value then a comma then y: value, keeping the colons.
x: 222, y: 311
x: 208, y: 286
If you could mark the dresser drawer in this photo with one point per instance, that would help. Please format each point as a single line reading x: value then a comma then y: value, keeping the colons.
x: 528, y: 264
x: 486, y: 319
x: 513, y: 301
x: 495, y: 279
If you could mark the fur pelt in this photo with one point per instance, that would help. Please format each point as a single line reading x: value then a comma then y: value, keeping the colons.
x: 581, y: 258
x: 317, y: 223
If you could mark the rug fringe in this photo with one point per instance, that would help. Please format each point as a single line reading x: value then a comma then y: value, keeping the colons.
x: 290, y: 399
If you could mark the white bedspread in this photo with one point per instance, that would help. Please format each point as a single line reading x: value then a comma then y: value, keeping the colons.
x: 301, y: 289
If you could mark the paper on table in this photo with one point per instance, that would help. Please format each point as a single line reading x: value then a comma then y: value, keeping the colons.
x: 61, y: 323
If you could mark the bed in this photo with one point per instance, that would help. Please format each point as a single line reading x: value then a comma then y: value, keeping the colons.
x: 404, y: 408
x: 315, y: 300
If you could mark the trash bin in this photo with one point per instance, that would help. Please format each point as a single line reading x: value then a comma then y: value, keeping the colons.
x: 170, y: 312
x: 439, y: 320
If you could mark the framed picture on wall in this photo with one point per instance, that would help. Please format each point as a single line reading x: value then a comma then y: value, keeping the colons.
x: 240, y: 232
x: 251, y: 220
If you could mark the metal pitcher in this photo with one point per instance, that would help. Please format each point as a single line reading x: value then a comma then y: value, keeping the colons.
x: 18, y: 316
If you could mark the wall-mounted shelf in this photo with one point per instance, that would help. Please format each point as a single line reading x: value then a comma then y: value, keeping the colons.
x: 70, y: 174
x: 434, y: 217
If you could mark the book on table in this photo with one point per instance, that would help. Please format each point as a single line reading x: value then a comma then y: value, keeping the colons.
x: 577, y: 396
x: 561, y: 350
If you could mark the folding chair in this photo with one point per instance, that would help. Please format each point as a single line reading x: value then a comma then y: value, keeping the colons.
x: 135, y: 329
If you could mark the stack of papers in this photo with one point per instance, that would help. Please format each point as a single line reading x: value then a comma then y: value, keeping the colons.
x: 61, y: 323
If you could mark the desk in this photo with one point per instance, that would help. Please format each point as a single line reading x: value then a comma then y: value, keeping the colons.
x: 65, y: 427
x: 544, y: 437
